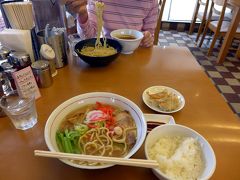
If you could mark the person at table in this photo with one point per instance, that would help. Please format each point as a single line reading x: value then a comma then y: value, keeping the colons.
x: 118, y: 14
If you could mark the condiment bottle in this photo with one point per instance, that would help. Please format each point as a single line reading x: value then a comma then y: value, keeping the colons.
x: 19, y: 59
x: 47, y: 53
x: 4, y: 52
x: 42, y: 73
x: 2, y: 114
x: 5, y: 88
x: 8, y: 70
x: 5, y: 84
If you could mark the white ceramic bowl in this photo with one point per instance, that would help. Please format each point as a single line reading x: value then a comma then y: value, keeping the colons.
x: 179, y: 130
x: 74, y: 103
x: 128, y: 45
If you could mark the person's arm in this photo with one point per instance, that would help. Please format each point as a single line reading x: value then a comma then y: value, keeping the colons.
x: 149, y: 25
x: 87, y: 26
x: 150, y: 22
x: 86, y: 17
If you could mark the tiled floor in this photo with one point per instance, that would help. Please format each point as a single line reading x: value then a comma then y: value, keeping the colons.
x: 226, y: 77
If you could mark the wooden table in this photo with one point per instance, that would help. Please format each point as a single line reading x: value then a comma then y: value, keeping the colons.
x: 231, y: 31
x: 205, y: 111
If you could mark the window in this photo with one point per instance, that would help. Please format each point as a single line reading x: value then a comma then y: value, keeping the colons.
x: 178, y: 10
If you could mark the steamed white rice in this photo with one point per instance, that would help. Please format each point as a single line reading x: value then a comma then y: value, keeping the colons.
x: 180, y: 158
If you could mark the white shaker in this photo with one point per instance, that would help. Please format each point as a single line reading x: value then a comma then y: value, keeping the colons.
x: 47, y: 53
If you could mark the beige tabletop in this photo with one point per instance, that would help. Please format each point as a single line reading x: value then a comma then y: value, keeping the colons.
x: 205, y: 111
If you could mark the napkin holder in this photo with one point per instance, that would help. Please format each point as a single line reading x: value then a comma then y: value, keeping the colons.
x: 21, y: 40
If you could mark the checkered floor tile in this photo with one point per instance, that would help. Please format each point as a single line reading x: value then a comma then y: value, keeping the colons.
x: 226, y: 77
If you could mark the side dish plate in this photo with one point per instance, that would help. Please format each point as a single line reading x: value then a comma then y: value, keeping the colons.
x: 157, y: 89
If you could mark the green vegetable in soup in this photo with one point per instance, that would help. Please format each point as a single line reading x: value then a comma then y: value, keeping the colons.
x: 67, y: 141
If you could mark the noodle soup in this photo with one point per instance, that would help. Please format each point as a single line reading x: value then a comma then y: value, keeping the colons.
x: 97, y: 129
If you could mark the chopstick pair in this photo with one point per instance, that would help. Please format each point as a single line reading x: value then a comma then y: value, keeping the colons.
x: 111, y: 160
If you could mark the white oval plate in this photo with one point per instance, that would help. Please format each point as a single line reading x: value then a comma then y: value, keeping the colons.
x: 161, y: 88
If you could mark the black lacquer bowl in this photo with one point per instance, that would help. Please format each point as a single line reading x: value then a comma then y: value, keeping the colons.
x: 97, y: 61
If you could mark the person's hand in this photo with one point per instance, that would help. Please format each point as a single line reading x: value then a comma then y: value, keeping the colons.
x: 147, y: 40
x: 77, y: 7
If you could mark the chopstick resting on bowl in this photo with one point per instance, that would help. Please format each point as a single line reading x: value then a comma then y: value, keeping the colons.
x: 102, y: 159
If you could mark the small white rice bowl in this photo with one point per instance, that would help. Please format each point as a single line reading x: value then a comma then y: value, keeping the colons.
x: 193, y: 143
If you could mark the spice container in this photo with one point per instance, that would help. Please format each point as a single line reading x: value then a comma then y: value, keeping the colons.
x: 4, y: 52
x: 5, y: 84
x: 47, y: 53
x: 55, y: 37
x: 5, y: 88
x: 8, y: 70
x: 42, y: 73
x: 19, y: 59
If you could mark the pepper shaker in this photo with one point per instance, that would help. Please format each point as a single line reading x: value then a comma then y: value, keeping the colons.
x: 42, y: 73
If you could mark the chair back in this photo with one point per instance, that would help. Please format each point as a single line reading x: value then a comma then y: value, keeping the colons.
x: 201, y: 2
x: 219, y: 2
x: 161, y: 6
x: 200, y: 14
x: 223, y: 6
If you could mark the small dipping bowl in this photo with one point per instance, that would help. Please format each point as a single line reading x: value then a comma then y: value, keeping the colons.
x: 130, y: 39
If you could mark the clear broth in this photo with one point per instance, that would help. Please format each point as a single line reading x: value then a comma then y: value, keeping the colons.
x: 125, y: 36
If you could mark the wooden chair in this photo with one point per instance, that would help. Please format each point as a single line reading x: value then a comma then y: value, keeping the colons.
x: 220, y: 27
x: 160, y: 14
x: 238, y: 52
x: 200, y: 15
x: 203, y: 16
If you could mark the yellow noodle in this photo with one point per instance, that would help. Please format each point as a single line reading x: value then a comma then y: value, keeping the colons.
x: 98, y: 52
x: 99, y: 6
x: 100, y: 49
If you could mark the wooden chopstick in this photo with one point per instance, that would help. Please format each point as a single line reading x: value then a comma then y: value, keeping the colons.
x: 112, y: 160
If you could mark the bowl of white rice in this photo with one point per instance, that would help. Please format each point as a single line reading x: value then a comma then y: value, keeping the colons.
x: 182, y: 153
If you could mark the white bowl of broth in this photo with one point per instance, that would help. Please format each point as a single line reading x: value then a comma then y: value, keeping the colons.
x: 130, y: 39
x: 80, y: 122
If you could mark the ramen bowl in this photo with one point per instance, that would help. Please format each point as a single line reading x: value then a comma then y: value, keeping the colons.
x: 58, y: 115
x: 176, y: 130
x: 100, y: 60
x: 130, y: 39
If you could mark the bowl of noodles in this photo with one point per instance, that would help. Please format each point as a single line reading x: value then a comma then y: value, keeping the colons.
x: 96, y: 55
x: 99, y: 124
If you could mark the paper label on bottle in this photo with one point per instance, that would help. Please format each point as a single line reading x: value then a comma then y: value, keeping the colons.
x: 26, y: 83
